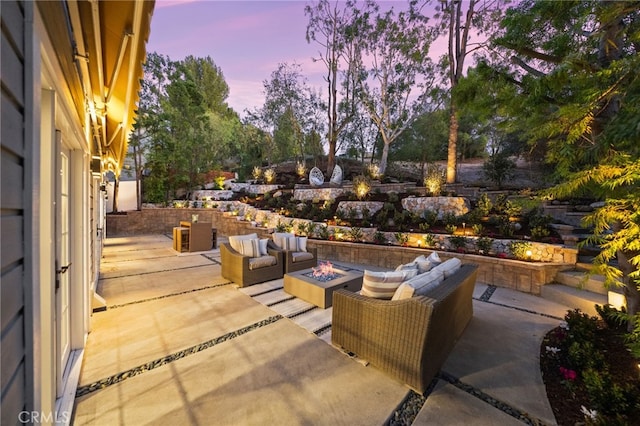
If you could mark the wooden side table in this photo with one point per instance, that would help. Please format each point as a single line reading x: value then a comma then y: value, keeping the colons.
x: 199, y: 235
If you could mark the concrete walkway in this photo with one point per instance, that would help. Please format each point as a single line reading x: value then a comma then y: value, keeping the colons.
x: 180, y: 345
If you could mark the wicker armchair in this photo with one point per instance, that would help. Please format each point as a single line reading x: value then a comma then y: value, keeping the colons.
x: 408, y: 339
x: 236, y: 267
x: 296, y: 260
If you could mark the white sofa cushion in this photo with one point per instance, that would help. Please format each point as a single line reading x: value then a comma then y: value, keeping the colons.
x: 449, y: 266
x: 419, y: 285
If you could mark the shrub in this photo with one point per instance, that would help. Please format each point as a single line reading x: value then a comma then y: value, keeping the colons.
x: 323, y: 232
x: 459, y: 242
x: 430, y: 217
x: 484, y: 204
x: 498, y: 168
x: 484, y: 244
x: 355, y: 234
x: 429, y: 240
x: 379, y: 238
x: 401, y: 238
x: 520, y: 249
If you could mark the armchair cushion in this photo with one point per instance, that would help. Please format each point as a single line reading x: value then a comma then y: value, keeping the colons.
x: 301, y: 256
x: 423, y: 264
x: 261, y: 262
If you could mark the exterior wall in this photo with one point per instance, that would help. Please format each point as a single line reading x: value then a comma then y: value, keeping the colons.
x: 36, y: 105
x: 16, y: 361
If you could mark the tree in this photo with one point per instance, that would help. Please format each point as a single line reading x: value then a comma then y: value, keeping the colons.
x: 148, y: 122
x: 574, y: 64
x: 210, y: 81
x: 425, y: 140
x: 287, y: 94
x: 458, y: 26
x: 329, y: 28
x: 397, y: 78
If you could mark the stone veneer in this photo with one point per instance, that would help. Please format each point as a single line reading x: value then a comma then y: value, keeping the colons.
x: 357, y: 206
x: 456, y: 205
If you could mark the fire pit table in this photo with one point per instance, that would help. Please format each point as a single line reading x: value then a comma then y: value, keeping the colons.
x: 316, y: 285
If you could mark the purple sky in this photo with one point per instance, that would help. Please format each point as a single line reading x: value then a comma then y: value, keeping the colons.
x: 246, y: 39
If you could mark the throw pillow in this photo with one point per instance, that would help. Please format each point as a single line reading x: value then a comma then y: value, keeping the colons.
x: 423, y: 264
x: 280, y: 237
x: 434, y: 258
x: 405, y: 291
x: 234, y: 240
x: 410, y: 270
x: 449, y: 267
x: 290, y: 244
x: 250, y: 248
x: 302, y: 243
x: 263, y: 246
x: 381, y: 285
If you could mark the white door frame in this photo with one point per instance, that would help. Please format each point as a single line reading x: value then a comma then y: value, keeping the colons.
x: 63, y: 263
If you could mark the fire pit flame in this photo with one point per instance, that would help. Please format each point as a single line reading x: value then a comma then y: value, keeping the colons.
x: 324, y: 272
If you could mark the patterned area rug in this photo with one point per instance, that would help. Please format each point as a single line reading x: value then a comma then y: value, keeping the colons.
x: 308, y: 316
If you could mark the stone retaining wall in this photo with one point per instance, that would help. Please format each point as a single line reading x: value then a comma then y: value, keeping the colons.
x: 456, y: 205
x: 519, y: 275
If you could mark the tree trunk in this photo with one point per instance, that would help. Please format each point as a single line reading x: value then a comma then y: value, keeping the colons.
x: 116, y: 185
x: 383, y: 158
x: 452, y: 159
x: 631, y: 292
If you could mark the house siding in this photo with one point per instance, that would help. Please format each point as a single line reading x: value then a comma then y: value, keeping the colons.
x: 12, y: 204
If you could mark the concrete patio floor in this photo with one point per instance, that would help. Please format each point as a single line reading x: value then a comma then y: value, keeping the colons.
x: 180, y: 345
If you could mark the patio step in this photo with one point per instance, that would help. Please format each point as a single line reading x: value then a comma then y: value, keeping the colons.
x: 573, y: 297
x: 574, y: 290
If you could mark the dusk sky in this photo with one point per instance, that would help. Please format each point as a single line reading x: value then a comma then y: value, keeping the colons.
x: 246, y: 39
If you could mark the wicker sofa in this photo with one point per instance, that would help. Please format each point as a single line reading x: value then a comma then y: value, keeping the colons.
x: 408, y: 339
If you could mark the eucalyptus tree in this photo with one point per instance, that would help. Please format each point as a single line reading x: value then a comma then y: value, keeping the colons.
x: 458, y: 21
x: 329, y: 27
x: 575, y: 65
x: 396, y: 73
x: 359, y: 135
